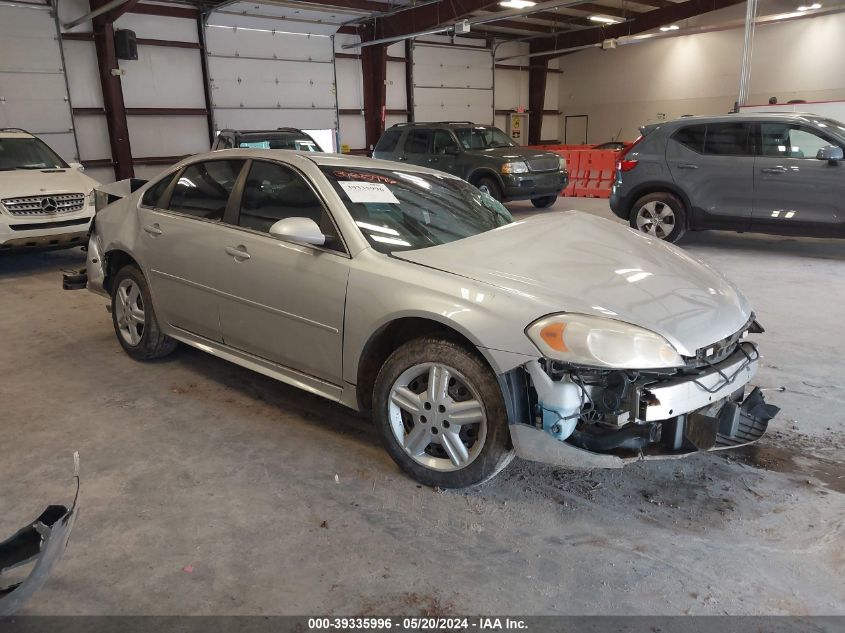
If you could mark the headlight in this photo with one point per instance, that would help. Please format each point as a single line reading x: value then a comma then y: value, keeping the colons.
x: 562, y: 163
x: 515, y: 168
x: 601, y: 342
x: 91, y: 198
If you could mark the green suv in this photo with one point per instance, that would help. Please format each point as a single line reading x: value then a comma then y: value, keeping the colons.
x: 480, y: 154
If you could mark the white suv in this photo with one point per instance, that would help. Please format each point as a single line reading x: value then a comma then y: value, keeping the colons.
x: 44, y: 202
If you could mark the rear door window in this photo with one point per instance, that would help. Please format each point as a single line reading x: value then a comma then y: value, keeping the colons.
x: 418, y: 142
x: 203, y: 189
x: 727, y: 139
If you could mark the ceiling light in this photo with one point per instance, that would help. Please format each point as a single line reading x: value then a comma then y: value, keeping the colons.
x: 671, y: 27
x: 603, y: 19
x: 810, y: 7
x: 517, y: 4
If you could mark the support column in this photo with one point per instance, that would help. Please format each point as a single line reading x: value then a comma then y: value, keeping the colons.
x: 374, y: 72
x: 113, y: 103
x: 537, y: 73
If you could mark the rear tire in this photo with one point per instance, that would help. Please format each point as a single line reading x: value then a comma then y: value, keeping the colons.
x: 660, y: 215
x: 134, y: 318
x: 544, y: 203
x: 488, y: 185
x: 441, y: 414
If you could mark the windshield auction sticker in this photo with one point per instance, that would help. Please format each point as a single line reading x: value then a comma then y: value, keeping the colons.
x: 368, y: 192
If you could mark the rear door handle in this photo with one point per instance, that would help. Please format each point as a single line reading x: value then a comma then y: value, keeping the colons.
x: 402, y: 158
x: 153, y: 229
x: 774, y: 170
x: 238, y: 252
x: 687, y: 166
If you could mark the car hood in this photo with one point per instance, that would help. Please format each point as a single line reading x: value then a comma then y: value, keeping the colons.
x: 574, y: 262
x: 33, y: 182
x: 514, y: 153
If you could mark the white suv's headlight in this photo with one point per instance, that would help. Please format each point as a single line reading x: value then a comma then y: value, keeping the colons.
x: 91, y: 199
x: 601, y: 342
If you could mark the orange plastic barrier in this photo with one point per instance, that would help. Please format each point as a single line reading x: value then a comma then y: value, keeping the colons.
x: 591, y: 171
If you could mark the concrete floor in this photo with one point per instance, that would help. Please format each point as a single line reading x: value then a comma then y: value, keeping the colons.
x: 208, y: 489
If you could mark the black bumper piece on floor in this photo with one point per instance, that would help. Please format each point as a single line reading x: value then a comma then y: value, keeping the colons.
x: 74, y: 279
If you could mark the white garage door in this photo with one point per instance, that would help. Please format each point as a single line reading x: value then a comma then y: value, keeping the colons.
x: 452, y: 83
x: 265, y: 74
x: 33, y: 92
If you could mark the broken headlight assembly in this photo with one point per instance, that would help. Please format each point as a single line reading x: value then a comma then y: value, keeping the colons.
x: 592, y: 341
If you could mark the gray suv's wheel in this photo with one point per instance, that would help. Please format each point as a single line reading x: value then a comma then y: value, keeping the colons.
x: 134, y: 319
x: 661, y: 215
x: 441, y: 414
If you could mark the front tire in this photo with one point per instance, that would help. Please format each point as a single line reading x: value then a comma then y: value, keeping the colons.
x: 660, y: 215
x: 543, y: 203
x: 441, y: 414
x: 488, y: 185
x: 134, y: 319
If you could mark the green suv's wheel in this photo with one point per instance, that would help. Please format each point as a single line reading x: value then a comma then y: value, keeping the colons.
x: 441, y: 414
x: 488, y: 185
x: 134, y: 319
x: 661, y: 215
x: 543, y: 203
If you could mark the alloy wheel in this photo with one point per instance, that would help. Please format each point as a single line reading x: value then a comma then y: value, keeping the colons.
x: 437, y: 416
x: 129, y: 311
x: 656, y: 218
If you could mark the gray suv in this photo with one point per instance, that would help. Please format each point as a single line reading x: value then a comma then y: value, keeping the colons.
x: 764, y: 173
x: 480, y: 154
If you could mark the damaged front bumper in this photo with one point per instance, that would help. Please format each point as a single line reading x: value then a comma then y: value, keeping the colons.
x: 41, y: 543
x: 666, y: 419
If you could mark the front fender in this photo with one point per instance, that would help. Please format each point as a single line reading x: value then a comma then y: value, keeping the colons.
x: 383, y: 289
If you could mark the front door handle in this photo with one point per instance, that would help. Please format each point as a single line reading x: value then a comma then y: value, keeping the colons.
x: 774, y: 170
x: 238, y: 252
x: 153, y: 229
x: 687, y: 166
x: 402, y: 158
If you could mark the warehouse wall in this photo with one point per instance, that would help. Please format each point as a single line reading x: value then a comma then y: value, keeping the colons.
x: 512, y: 87
x: 621, y: 89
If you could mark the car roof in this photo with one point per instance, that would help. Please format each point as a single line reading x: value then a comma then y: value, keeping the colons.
x: 804, y: 117
x: 13, y: 132
x: 439, y: 124
x: 319, y: 158
x: 281, y: 130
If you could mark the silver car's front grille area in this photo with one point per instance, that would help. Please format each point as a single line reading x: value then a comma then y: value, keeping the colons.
x: 544, y: 164
x: 35, y: 206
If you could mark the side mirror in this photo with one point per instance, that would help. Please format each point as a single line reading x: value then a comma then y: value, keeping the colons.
x: 831, y: 153
x: 451, y: 150
x: 77, y: 166
x: 299, y: 230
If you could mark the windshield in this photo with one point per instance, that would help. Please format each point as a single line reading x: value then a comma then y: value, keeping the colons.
x: 480, y: 137
x: 28, y: 153
x: 397, y: 210
x: 279, y: 141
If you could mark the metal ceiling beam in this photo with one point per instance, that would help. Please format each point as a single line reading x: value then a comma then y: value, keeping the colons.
x: 643, y: 22
x: 110, y: 12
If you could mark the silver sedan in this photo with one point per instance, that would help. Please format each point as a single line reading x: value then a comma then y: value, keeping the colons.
x: 406, y: 292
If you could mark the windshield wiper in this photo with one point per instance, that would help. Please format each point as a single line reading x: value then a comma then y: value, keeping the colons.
x: 34, y: 167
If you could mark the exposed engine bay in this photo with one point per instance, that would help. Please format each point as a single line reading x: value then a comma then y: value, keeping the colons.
x: 631, y: 414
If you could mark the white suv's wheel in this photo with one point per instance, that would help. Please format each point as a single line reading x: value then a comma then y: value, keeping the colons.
x: 441, y: 414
